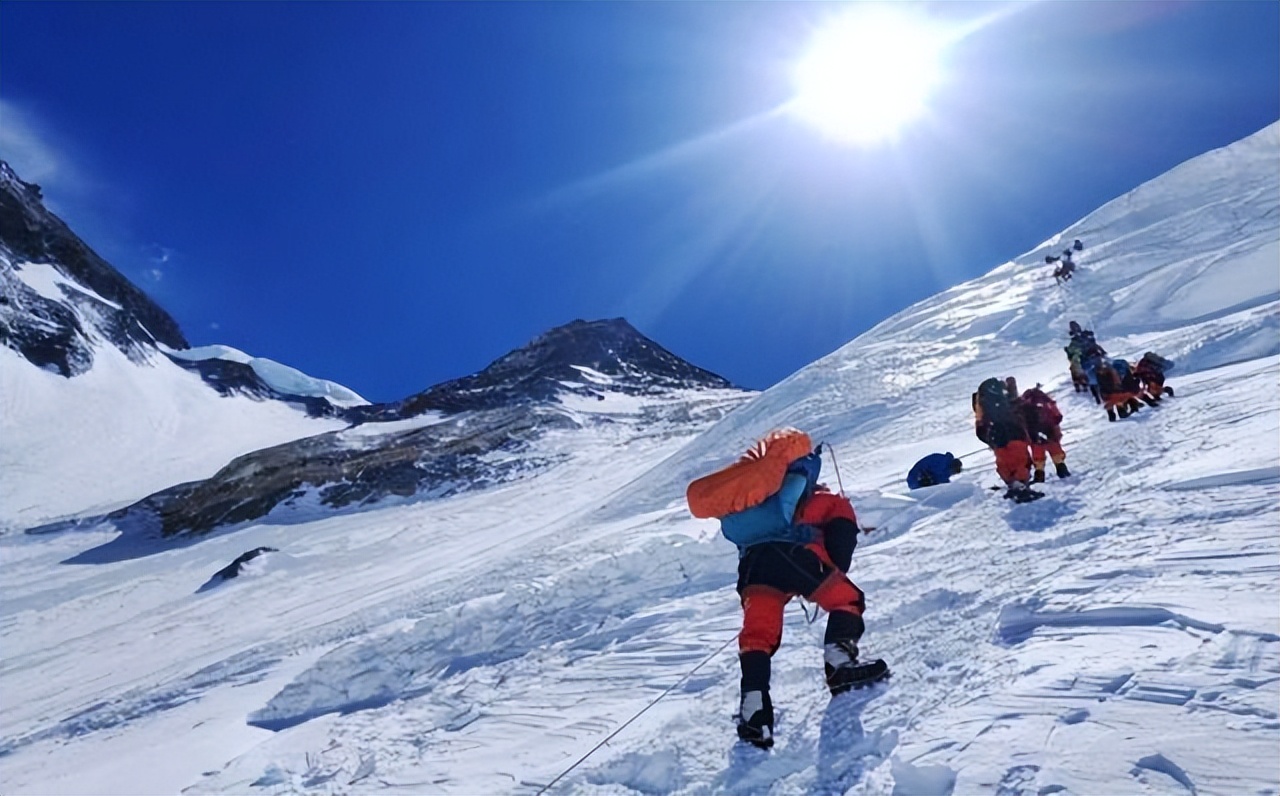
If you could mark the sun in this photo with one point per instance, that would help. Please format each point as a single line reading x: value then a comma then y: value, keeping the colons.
x: 869, y: 74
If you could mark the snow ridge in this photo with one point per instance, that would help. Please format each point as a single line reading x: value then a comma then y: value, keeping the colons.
x: 281, y: 378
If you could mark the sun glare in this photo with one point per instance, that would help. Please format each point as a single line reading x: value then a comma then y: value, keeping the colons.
x: 868, y: 74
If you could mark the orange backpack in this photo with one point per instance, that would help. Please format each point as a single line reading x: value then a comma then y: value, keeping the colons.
x: 752, y: 479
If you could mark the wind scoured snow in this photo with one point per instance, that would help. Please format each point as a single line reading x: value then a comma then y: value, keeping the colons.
x: 1121, y: 635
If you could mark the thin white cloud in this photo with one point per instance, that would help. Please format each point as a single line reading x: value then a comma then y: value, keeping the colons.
x: 24, y: 144
x: 158, y: 254
x: 39, y: 154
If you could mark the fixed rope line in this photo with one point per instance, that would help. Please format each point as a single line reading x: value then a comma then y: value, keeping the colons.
x: 624, y: 725
x: 972, y: 453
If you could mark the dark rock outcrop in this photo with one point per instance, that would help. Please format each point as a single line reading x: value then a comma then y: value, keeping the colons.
x: 51, y: 333
x: 466, y: 453
x: 232, y: 570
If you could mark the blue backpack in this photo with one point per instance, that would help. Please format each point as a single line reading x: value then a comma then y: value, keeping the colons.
x: 772, y: 520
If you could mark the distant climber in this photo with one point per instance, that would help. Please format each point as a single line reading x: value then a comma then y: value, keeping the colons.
x: 1119, y: 388
x: 1084, y: 348
x: 936, y: 468
x: 999, y: 425
x: 1065, y: 268
x: 1079, y: 379
x: 1150, y: 372
x: 1065, y: 264
x: 1043, y: 422
x: 794, y: 537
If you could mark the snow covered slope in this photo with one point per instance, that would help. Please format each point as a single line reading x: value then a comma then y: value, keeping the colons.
x: 1121, y: 635
x: 120, y: 431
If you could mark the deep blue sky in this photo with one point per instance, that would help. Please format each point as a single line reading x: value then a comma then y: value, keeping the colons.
x: 394, y: 194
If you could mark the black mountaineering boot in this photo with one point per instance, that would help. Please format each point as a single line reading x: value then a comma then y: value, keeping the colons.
x: 1063, y: 472
x: 1168, y: 391
x: 755, y: 711
x: 1039, y: 476
x: 1111, y: 414
x: 1022, y: 493
x: 1149, y: 401
x: 755, y: 719
x: 844, y: 672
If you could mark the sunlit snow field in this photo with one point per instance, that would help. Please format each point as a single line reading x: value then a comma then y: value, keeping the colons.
x: 1119, y: 636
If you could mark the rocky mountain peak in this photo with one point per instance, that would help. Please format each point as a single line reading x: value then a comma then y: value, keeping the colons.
x: 581, y: 357
x: 611, y: 347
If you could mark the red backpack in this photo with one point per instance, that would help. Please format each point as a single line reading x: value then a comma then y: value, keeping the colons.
x: 1045, y: 409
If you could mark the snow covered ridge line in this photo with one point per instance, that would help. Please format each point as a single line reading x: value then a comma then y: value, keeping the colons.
x: 281, y: 378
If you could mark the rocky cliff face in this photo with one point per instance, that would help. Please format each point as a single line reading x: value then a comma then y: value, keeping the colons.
x: 71, y: 297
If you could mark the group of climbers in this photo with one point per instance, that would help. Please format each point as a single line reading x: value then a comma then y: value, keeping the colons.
x: 796, y: 538
x: 1118, y: 387
x: 1024, y: 430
